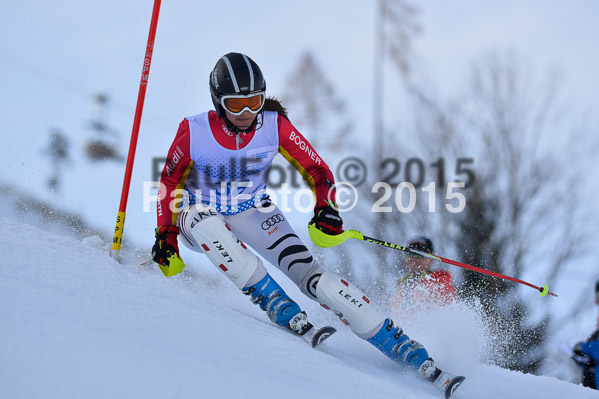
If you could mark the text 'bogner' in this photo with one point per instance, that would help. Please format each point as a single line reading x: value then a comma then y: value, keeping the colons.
x: 304, y: 146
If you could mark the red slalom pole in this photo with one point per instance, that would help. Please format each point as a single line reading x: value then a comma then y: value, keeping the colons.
x: 120, y: 219
x: 543, y: 290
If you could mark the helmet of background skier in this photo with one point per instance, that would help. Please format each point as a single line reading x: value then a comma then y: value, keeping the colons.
x: 235, y: 73
x: 421, y: 244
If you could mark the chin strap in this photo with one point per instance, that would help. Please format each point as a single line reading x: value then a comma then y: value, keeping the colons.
x: 257, y: 124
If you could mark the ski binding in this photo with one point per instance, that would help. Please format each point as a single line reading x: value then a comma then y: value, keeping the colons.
x: 447, y: 383
x: 313, y: 335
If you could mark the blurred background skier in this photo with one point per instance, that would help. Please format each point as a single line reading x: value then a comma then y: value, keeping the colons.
x: 420, y: 287
x: 586, y: 353
x: 212, y: 196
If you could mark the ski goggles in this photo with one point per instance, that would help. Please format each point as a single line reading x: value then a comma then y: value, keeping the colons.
x: 237, y: 104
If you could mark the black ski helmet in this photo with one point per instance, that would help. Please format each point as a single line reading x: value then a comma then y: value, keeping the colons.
x: 421, y: 244
x: 234, y: 73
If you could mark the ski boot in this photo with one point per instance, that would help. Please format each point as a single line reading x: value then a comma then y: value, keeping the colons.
x: 273, y: 300
x: 284, y: 312
x: 400, y: 348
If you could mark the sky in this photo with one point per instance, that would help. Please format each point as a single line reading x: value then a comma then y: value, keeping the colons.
x: 64, y: 51
x: 550, y: 33
x: 54, y: 57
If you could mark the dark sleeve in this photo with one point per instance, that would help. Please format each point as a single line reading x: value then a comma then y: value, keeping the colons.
x: 591, y: 349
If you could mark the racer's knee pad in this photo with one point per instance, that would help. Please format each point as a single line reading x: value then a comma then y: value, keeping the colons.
x: 350, y: 304
x: 206, y: 231
x: 188, y: 218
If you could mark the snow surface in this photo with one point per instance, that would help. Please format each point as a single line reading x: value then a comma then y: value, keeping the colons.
x: 77, y: 324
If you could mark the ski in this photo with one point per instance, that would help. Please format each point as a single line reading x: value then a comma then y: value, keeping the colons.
x: 313, y: 335
x: 300, y: 325
x: 447, y: 383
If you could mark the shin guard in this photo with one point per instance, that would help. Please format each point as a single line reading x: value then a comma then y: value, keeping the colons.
x: 210, y: 233
x: 350, y: 304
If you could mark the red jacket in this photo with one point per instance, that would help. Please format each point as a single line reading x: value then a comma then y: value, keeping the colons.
x: 292, y: 145
x: 433, y: 288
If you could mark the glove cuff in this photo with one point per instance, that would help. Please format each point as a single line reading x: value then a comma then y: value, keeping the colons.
x: 163, y: 231
x: 323, y: 204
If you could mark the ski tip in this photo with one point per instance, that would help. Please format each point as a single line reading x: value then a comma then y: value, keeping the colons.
x: 322, y: 334
x: 453, y: 385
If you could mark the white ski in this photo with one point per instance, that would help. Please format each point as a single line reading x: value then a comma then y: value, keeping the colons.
x: 315, y: 336
x: 447, y: 383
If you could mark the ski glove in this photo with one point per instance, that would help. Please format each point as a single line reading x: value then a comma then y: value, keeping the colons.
x: 326, y: 218
x: 165, y: 251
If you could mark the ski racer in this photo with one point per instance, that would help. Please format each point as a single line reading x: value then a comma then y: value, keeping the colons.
x: 212, y: 198
x: 421, y: 287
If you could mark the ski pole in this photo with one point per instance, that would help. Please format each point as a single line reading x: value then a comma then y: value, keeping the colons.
x: 120, y: 219
x: 324, y: 240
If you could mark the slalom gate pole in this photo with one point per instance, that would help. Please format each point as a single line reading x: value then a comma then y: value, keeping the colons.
x: 120, y: 219
x: 325, y: 240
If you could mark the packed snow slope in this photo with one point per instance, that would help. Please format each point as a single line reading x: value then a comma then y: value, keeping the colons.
x: 74, y: 323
